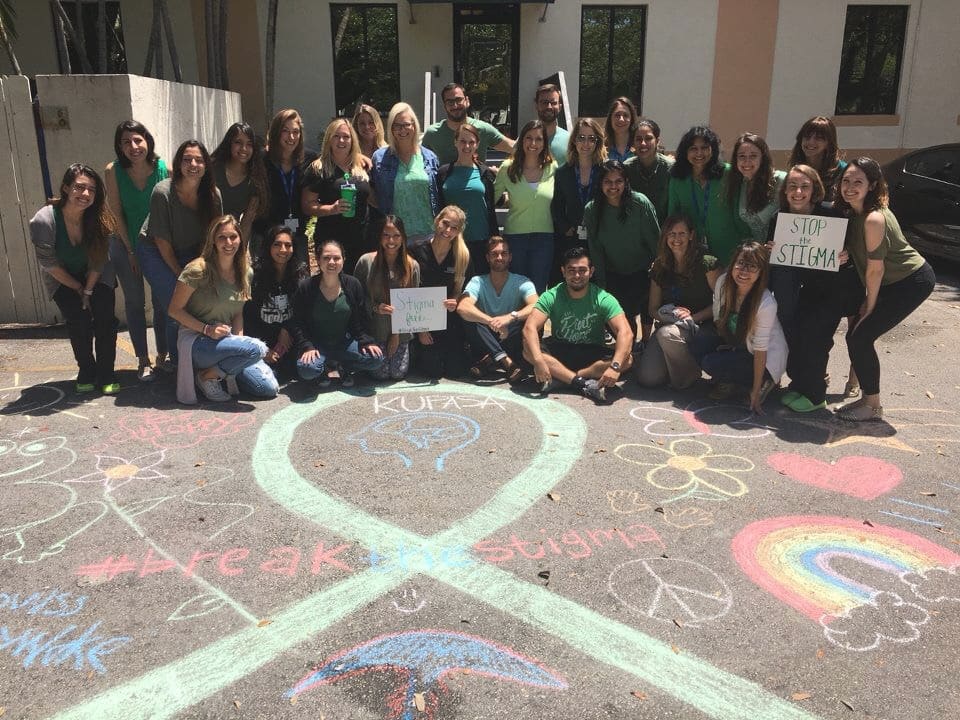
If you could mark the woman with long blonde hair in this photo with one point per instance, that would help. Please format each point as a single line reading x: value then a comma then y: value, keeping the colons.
x: 445, y: 262
x: 336, y: 190
x: 208, y: 304
x: 369, y: 128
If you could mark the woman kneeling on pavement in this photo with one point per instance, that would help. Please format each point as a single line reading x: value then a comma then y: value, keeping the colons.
x: 208, y: 304
x: 329, y: 323
x: 682, y: 281
x: 750, y: 350
x: 71, y: 237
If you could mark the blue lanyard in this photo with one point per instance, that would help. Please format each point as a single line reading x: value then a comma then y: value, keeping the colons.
x: 706, y: 203
x: 585, y: 196
x: 289, y: 183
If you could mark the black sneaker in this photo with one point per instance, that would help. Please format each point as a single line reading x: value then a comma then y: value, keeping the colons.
x: 323, y: 381
x: 347, y: 379
x: 595, y: 391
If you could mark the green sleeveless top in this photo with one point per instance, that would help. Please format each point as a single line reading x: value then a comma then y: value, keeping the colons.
x: 900, y: 260
x: 136, y: 202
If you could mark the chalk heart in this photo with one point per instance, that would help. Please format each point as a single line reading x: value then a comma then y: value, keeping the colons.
x: 861, y: 477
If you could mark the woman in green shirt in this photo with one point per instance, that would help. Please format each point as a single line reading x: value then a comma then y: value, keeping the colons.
x: 896, y: 277
x: 208, y: 304
x: 697, y: 191
x: 71, y: 237
x: 129, y: 181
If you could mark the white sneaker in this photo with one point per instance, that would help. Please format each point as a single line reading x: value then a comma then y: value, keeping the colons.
x: 146, y: 374
x: 232, y: 387
x: 212, y: 389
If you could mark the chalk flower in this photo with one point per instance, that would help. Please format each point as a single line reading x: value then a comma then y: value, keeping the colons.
x: 114, y: 472
x: 689, y: 468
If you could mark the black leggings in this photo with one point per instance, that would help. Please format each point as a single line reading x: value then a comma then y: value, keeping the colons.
x: 894, y: 303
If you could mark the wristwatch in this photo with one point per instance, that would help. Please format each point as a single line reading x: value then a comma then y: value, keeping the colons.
x: 514, y: 315
x: 615, y: 366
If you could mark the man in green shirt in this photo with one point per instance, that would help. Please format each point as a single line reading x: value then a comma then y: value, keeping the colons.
x: 549, y: 104
x: 439, y: 136
x: 575, y: 353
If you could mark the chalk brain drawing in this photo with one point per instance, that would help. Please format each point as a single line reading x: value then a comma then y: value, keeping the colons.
x: 795, y: 559
x: 408, y: 434
x: 422, y: 659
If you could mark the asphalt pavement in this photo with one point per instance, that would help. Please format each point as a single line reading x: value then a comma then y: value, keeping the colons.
x: 459, y: 551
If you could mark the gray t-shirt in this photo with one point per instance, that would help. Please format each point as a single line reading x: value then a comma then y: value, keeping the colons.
x: 175, y: 222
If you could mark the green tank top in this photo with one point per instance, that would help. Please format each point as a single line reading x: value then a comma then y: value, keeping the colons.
x: 136, y: 202
x: 899, y: 258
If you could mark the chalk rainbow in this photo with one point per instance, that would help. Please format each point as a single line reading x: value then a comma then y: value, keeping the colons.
x: 791, y: 558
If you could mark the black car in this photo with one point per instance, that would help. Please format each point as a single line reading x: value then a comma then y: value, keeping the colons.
x: 925, y: 197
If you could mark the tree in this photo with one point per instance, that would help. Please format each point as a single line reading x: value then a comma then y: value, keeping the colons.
x: 8, y: 32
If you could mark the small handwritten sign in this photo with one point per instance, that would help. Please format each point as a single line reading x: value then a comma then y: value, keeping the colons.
x: 808, y: 241
x: 418, y: 309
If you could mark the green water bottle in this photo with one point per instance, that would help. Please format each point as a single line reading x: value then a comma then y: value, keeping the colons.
x: 348, y: 192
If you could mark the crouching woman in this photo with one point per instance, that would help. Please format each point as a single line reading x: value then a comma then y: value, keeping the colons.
x: 329, y: 320
x: 208, y: 304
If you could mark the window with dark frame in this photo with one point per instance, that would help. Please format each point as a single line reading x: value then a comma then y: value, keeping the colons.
x: 366, y: 56
x: 612, y: 45
x: 873, y: 40
x: 85, y: 18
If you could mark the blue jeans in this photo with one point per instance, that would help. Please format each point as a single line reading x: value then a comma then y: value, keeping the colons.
x: 240, y: 356
x: 532, y: 255
x: 733, y: 366
x: 162, y: 283
x: 347, y: 355
x: 134, y: 301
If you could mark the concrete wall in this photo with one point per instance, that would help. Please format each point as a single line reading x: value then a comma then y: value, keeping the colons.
x: 173, y: 112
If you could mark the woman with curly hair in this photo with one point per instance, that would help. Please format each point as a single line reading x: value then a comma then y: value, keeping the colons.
x: 71, y: 237
x: 682, y: 281
x: 527, y: 177
x: 181, y: 209
x: 896, y: 277
x: 697, y: 191
x: 208, y: 305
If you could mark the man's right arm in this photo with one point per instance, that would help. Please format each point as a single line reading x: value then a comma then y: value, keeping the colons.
x: 468, y: 310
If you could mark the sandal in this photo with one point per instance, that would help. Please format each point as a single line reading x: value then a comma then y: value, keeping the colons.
x: 860, y: 413
x: 479, y: 370
x: 513, y: 370
x: 851, y: 389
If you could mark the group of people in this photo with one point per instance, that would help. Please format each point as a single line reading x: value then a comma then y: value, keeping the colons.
x: 640, y: 261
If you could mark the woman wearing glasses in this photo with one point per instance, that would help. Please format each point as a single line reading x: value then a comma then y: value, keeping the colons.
x: 749, y: 350
x: 574, y: 187
x: 71, y: 237
x: 468, y: 184
x: 404, y: 176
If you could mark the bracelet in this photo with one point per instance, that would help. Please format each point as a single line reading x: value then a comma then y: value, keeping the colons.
x: 205, y: 329
x: 88, y: 293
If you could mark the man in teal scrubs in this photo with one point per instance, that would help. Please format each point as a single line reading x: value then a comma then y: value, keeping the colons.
x: 549, y: 104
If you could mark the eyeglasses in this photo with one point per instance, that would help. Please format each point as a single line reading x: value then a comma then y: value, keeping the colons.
x: 81, y: 188
x: 587, y: 138
x: 746, y: 266
x: 678, y: 235
x: 403, y: 126
x: 454, y: 101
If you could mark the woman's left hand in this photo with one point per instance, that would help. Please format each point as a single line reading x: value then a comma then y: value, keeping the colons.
x: 865, y: 312
x: 425, y: 338
x: 681, y: 313
x: 218, y: 331
x: 450, y: 304
x: 755, y: 405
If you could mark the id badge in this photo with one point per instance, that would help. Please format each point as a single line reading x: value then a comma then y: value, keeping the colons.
x: 581, y: 232
x: 292, y: 223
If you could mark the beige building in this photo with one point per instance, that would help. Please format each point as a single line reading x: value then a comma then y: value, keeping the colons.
x: 886, y: 72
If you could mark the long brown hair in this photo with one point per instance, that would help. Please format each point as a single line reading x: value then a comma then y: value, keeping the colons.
x: 378, y: 283
x: 763, y: 187
x: 824, y: 128
x: 254, y: 166
x: 98, y: 222
x: 207, y: 262
x: 515, y: 171
x: 877, y: 196
x: 665, y: 271
x: 751, y: 252
x: 207, y: 191
x: 273, y: 135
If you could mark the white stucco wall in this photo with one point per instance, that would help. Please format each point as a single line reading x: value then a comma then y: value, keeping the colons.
x: 807, y: 62
x: 172, y: 111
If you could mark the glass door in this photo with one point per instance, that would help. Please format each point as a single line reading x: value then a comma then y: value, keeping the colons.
x: 486, y: 56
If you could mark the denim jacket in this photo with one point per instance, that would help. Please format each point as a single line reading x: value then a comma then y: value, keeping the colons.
x: 384, y: 174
